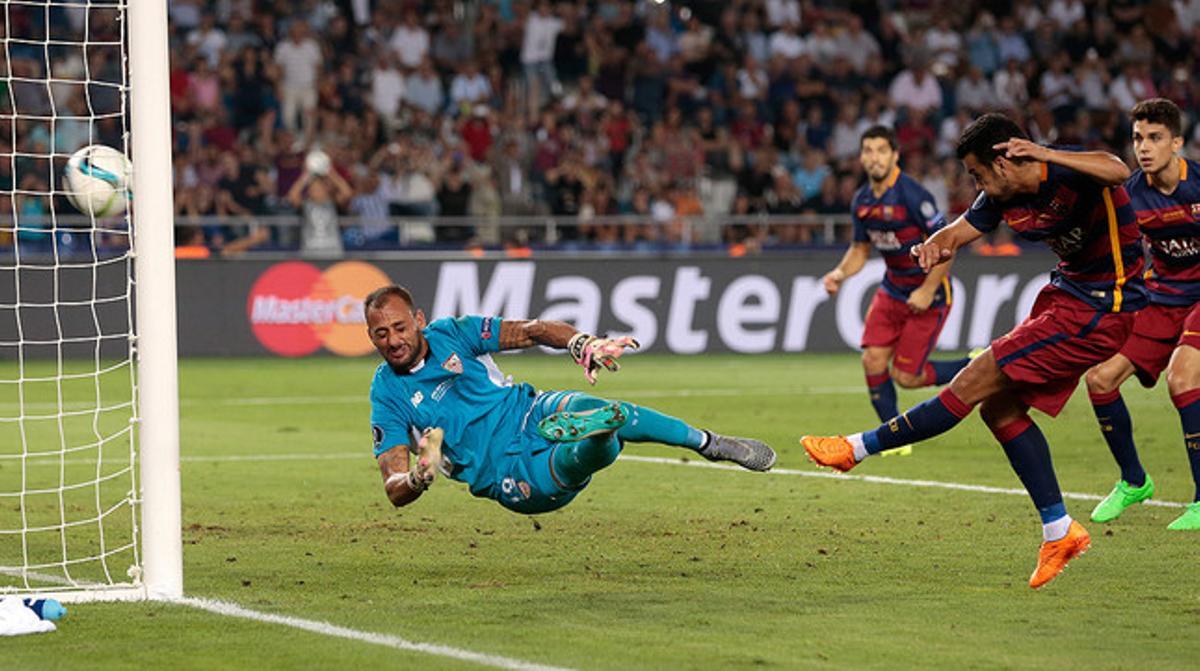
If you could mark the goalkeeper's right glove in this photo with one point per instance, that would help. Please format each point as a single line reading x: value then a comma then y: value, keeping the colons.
x: 593, y: 353
x: 428, y: 458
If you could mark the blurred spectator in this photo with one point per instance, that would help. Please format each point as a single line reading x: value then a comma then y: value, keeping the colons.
x: 410, y: 41
x: 537, y: 53
x: 915, y: 88
x: 318, y: 197
x: 299, y: 58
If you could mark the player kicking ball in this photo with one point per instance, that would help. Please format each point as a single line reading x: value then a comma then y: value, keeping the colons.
x: 1165, y: 194
x: 439, y: 394
x: 1074, y: 202
x: 892, y: 212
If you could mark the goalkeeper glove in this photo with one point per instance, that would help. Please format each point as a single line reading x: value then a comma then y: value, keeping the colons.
x: 428, y: 458
x: 593, y: 353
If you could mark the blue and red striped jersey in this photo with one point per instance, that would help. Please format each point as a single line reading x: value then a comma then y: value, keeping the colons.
x: 1092, y: 229
x: 1171, y: 226
x: 903, y: 216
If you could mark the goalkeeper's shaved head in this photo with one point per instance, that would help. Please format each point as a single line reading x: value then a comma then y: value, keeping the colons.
x: 377, y: 298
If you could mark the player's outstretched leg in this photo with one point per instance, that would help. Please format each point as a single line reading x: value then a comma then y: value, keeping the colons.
x: 1183, y: 380
x: 592, y: 418
x: 926, y: 420
x: 1063, y: 538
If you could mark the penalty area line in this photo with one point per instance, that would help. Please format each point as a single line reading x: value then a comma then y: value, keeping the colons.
x: 884, y: 480
x: 327, y: 629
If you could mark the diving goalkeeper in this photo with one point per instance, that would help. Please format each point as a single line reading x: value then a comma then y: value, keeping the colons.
x: 440, y: 398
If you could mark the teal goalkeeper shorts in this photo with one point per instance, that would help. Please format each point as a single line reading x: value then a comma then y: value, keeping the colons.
x: 526, y: 482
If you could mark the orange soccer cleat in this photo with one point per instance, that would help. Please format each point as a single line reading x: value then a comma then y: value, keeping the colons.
x: 1054, y: 555
x: 833, y: 451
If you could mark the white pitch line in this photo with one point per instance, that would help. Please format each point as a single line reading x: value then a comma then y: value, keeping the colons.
x: 873, y: 479
x: 327, y: 629
x: 883, y: 480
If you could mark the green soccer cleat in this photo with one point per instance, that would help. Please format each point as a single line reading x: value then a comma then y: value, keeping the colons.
x: 1189, y: 520
x: 1121, y: 497
x: 569, y: 426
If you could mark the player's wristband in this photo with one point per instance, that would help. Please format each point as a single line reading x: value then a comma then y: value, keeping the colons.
x: 577, y: 345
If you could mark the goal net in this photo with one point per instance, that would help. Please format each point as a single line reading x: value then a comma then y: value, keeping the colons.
x: 75, y: 509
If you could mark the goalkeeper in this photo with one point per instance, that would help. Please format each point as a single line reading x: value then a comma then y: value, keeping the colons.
x: 440, y: 398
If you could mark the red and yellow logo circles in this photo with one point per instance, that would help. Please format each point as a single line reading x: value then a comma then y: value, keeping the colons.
x: 295, y: 308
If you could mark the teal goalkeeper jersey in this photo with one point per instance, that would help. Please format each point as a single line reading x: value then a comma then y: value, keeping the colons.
x: 459, y: 389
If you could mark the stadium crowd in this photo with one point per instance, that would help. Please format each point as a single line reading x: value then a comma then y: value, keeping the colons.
x: 664, y: 110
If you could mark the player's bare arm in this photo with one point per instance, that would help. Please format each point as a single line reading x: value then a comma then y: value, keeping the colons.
x: 941, y: 246
x: 1101, y: 166
x: 400, y: 484
x: 852, y: 262
x: 523, y: 333
x: 591, y: 352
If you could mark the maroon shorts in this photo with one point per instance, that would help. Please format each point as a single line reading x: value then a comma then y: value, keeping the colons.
x: 1158, y: 330
x: 890, y: 323
x: 1062, y: 338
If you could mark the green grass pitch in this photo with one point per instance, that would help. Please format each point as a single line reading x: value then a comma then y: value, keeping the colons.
x: 654, y: 566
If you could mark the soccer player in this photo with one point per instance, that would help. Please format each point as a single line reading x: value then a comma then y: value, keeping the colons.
x: 1165, y: 194
x: 1075, y: 203
x: 892, y: 212
x: 438, y: 391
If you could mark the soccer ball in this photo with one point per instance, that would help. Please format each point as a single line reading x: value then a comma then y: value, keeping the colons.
x: 97, y: 180
x: 317, y: 162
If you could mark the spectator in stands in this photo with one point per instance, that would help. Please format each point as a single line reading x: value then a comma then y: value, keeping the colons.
x: 299, y: 58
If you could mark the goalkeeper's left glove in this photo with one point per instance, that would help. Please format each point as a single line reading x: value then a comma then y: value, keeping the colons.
x: 593, y: 353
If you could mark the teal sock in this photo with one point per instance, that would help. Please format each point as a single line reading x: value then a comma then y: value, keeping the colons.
x: 575, y: 462
x: 650, y: 426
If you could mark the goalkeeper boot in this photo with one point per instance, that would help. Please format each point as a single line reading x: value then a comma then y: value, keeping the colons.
x: 1121, y: 497
x: 897, y: 452
x: 1054, y: 555
x: 1189, y: 520
x: 748, y: 453
x: 831, y: 451
x: 569, y: 426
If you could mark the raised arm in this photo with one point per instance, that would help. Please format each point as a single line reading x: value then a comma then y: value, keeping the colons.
x: 1101, y: 166
x: 589, y: 351
x: 941, y: 246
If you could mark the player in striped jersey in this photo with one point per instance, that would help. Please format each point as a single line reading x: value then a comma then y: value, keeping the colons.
x: 1074, y: 202
x: 892, y: 212
x: 1165, y: 192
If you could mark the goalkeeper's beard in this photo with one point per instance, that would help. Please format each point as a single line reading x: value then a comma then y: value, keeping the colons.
x: 406, y: 355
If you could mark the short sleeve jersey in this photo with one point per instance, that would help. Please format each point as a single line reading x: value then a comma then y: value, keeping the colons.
x: 903, y: 216
x: 1090, y: 227
x: 459, y: 389
x: 1171, y: 226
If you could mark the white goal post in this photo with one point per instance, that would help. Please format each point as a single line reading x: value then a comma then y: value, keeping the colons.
x: 89, y: 412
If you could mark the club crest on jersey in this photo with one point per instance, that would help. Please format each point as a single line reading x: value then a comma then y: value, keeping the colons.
x: 417, y: 397
x: 453, y: 364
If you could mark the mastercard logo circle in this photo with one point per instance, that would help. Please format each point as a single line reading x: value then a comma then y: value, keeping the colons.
x: 296, y: 308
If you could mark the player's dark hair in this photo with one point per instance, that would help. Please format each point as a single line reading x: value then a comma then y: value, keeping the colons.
x: 983, y: 134
x: 880, y: 131
x: 377, y: 298
x: 1161, y: 111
